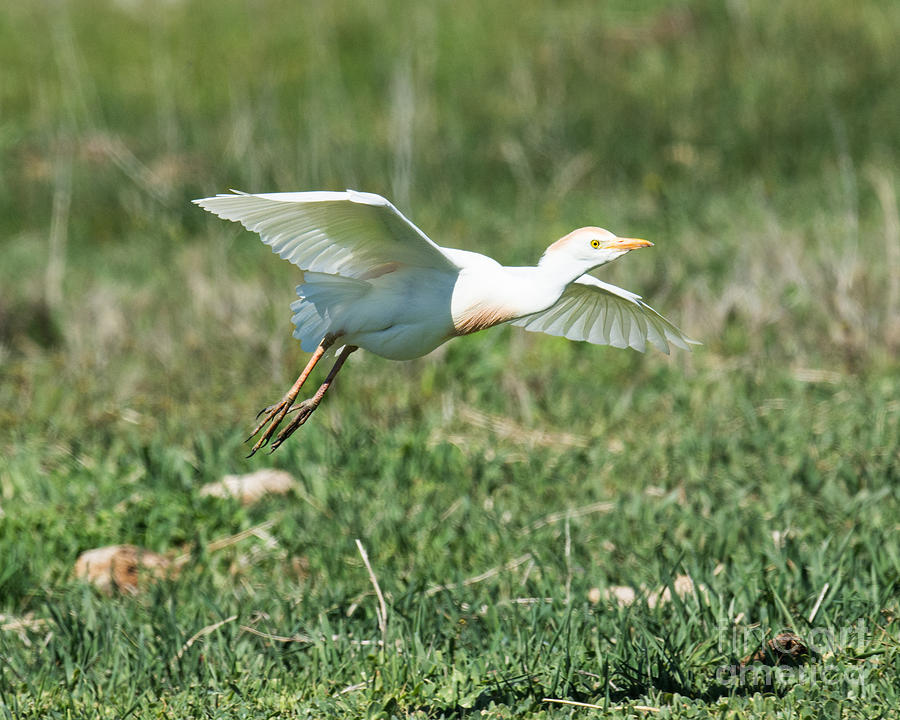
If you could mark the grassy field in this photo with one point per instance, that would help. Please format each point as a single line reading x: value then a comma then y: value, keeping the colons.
x: 510, y: 490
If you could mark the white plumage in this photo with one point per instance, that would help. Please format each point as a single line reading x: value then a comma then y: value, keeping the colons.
x: 603, y: 314
x: 372, y: 279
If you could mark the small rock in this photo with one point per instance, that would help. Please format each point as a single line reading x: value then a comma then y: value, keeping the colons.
x: 626, y: 595
x: 622, y: 594
x: 121, y: 567
x: 683, y: 585
x: 251, y: 487
x: 783, y: 649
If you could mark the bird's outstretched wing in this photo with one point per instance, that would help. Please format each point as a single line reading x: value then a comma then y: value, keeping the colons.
x: 604, y: 314
x: 354, y: 234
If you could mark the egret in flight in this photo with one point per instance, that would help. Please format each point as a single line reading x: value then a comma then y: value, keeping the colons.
x: 371, y: 279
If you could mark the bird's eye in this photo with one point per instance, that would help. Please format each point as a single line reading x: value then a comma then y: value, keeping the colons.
x: 595, y: 243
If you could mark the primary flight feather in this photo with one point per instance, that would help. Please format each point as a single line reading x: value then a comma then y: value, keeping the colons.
x: 371, y: 279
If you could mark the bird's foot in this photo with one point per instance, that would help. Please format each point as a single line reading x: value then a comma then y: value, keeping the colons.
x: 271, y: 416
x: 274, y: 414
x: 304, y: 410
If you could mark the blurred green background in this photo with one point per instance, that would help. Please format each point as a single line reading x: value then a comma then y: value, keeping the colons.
x: 756, y: 143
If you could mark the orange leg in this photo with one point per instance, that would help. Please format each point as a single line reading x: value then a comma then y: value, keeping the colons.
x: 274, y: 414
x: 308, y: 406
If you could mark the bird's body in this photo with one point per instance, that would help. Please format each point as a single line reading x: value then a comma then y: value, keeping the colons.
x: 399, y: 315
x: 372, y: 279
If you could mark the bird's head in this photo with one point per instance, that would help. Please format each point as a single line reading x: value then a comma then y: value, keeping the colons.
x: 590, y: 247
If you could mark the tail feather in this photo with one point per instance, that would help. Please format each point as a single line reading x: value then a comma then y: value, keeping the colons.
x: 309, y: 326
x: 323, y: 300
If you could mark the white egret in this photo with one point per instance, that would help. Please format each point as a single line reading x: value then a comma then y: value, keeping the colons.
x: 371, y: 279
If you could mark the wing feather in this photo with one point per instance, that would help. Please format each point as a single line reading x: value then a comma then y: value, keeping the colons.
x: 592, y: 310
x: 344, y: 233
x: 583, y: 315
x: 617, y: 333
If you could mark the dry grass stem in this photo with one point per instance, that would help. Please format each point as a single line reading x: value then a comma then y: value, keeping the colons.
x: 208, y: 630
x: 486, y: 575
x: 278, y: 638
x: 815, y: 610
x: 512, y: 431
x: 573, y: 703
x: 353, y: 688
x: 381, y: 610
x: 214, y: 545
x: 59, y: 231
x: 816, y: 375
x: 603, y: 506
x: 592, y: 706
x: 21, y: 626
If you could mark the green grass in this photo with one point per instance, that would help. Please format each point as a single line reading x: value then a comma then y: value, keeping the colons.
x: 504, y: 485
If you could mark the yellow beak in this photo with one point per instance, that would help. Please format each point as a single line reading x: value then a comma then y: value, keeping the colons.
x: 631, y: 244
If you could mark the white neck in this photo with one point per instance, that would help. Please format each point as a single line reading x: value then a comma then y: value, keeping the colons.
x: 564, y: 268
x: 537, y: 288
x: 486, y: 296
x: 560, y: 270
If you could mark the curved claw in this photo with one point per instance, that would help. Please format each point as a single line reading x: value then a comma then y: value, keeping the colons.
x: 304, y: 410
x: 264, y: 410
x: 270, y: 413
x: 273, y: 419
